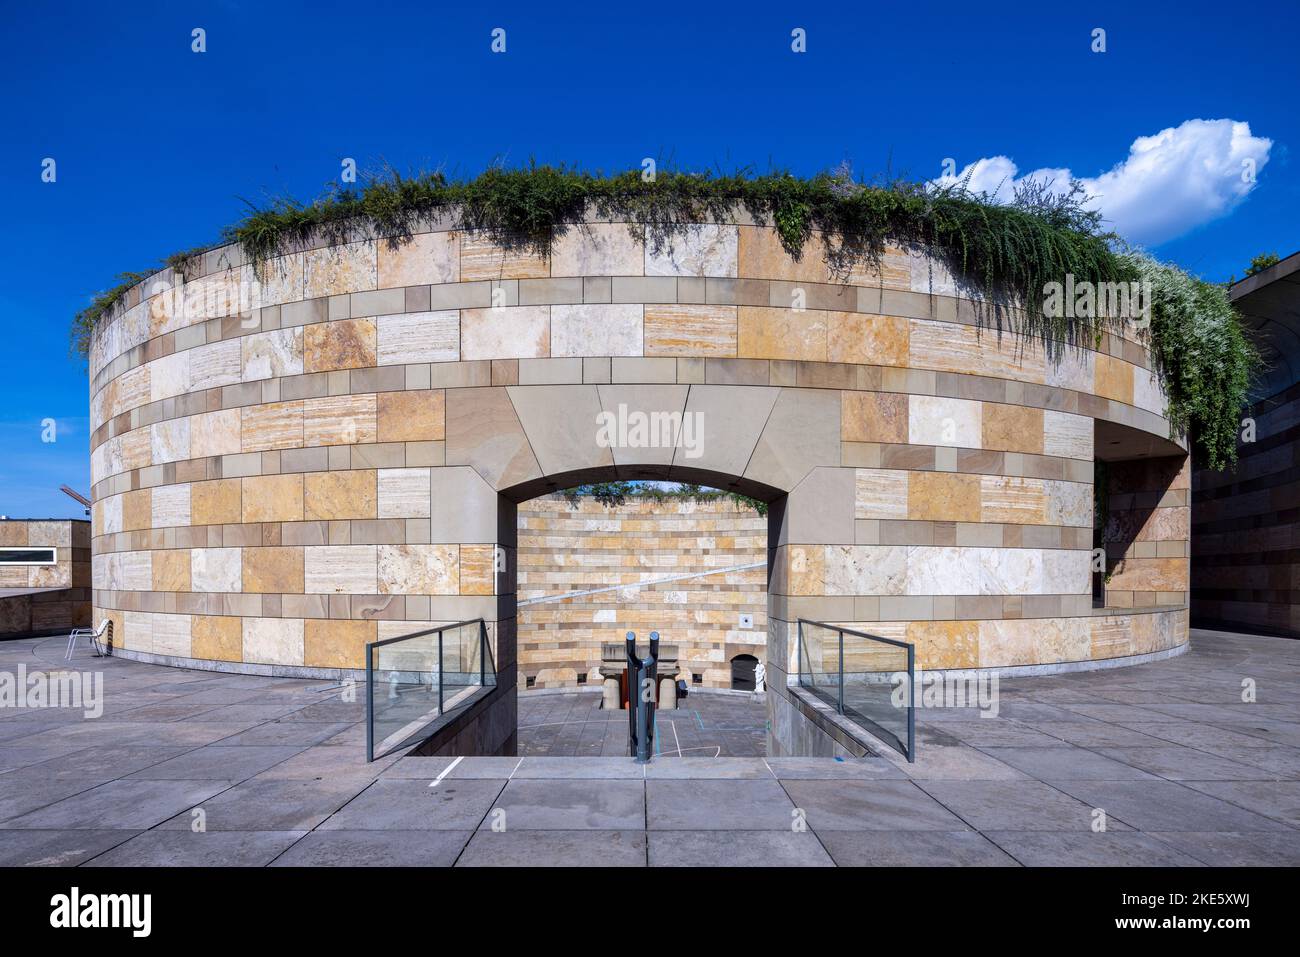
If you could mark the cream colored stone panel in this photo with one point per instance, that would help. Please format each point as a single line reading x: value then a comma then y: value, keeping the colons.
x: 1015, y: 501
x: 134, y: 388
x: 340, y: 569
x: 273, y: 641
x: 169, y: 375
x: 216, y: 433
x: 1069, y: 436
x: 216, y: 569
x: 419, y: 337
x: 866, y: 569
x: 404, y: 493
x: 276, y: 425
x: 420, y: 260
x: 597, y: 330
x: 508, y: 332
x: 932, y: 420
x: 881, y: 493
x: 112, y: 514
x: 418, y: 569
x: 281, y: 280
x: 171, y: 505
x: 171, y: 635
x: 481, y: 258
x: 269, y: 355
x: 340, y: 420
x: 946, y: 570
x: 1147, y: 393
x: 1010, y: 571
x: 1067, y: 571
x: 169, y: 440
x: 694, y: 250
x: 135, y: 572
x: 1072, y: 369
x: 214, y: 365
x: 598, y: 249
x: 334, y: 270
x: 690, y: 331
x: 1068, y: 503
x: 137, y: 633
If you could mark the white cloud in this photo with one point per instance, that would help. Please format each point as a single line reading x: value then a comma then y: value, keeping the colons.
x: 1170, y: 183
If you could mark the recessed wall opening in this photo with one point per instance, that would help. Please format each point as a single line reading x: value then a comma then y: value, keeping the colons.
x: 597, y: 561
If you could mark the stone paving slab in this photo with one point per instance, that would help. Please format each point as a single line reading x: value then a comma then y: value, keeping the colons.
x: 1185, y: 773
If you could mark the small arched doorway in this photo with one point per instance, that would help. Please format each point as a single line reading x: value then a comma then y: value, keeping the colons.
x: 742, y: 672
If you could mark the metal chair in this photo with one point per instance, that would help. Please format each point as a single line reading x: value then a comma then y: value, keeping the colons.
x: 93, y: 634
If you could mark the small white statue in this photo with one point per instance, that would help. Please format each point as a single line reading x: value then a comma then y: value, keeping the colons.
x: 760, y: 677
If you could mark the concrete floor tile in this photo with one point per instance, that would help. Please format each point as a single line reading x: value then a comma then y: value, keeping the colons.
x: 56, y: 848
x: 555, y: 848
x: 189, y: 849
x: 1088, y: 849
x: 413, y: 805
x: 737, y: 849
x: 722, y: 805
x: 1167, y: 806
x: 423, y: 848
x: 569, y: 805
x: 869, y: 806
x: 913, y: 849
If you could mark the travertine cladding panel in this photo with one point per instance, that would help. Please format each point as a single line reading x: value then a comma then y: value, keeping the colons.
x: 1245, y: 560
x: 37, y: 598
x: 291, y: 459
x: 566, y: 548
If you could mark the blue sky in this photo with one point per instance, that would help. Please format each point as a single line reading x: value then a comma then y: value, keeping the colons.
x: 157, y: 147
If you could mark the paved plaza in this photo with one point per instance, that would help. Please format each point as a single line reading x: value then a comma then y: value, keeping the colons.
x: 198, y: 768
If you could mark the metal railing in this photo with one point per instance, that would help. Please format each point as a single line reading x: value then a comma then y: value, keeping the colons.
x: 416, y: 682
x: 869, y: 679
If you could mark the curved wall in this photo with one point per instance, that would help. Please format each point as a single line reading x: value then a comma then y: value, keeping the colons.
x: 286, y: 470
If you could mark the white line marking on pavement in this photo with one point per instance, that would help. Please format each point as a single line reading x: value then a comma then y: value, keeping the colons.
x: 445, y: 771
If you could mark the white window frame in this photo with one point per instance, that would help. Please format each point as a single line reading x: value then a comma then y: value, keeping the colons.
x: 53, y: 550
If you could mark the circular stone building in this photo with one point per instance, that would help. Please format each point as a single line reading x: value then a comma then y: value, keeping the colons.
x: 293, y: 460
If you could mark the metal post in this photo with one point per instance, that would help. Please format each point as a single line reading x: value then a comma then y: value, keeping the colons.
x: 633, y: 670
x: 440, y: 664
x: 370, y: 705
x: 911, y: 704
x: 649, y: 684
x: 482, y: 653
x: 799, y: 641
x: 841, y: 702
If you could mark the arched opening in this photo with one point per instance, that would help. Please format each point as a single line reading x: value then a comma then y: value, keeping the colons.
x: 743, y: 668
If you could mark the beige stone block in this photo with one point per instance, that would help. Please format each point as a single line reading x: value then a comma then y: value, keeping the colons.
x: 269, y: 355
x: 943, y: 570
x: 420, y: 260
x: 273, y: 569
x: 415, y: 416
x: 477, y: 569
x: 341, y: 569
x: 874, y: 417
x: 340, y: 420
x: 481, y: 258
x: 690, y: 330
x: 342, y: 344
x: 214, y: 365
x: 419, y: 337
x: 419, y: 569
x: 1012, y: 428
x: 943, y: 497
x: 275, y: 425
x: 866, y: 569
x: 215, y: 569
x: 949, y: 347
x: 404, y: 493
x: 216, y: 638
x: 216, y: 433
x: 1067, y: 436
x: 641, y: 425
x: 275, y: 641
x: 1016, y: 501
x: 731, y: 421
x: 807, y: 569
x: 508, y: 332
x: 945, y: 644
x: 867, y: 339
x: 171, y: 635
x: 933, y: 420
x: 170, y: 505
x: 604, y: 329
x: 598, y: 249
x: 334, y: 270
x: 767, y: 333
x: 1114, y: 378
x: 1010, y: 571
x: 171, y: 570
x: 484, y: 432
x: 1067, y: 571
x: 272, y: 498
x: 337, y: 643
x: 168, y: 376
x: 704, y: 249
x: 281, y: 280
x: 802, y: 433
x: 881, y: 493
x: 563, y: 424
x: 137, y: 509
x: 216, y: 503
x: 761, y: 256
x: 340, y: 495
x: 1068, y: 503
x: 170, y: 440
